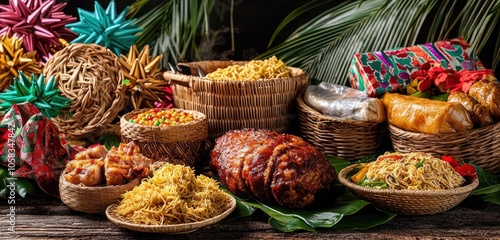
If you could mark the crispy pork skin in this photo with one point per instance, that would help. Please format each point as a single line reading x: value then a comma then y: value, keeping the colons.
x: 271, y: 167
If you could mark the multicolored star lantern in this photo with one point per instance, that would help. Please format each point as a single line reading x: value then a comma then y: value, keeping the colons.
x: 40, y: 23
x: 105, y: 28
x: 13, y: 58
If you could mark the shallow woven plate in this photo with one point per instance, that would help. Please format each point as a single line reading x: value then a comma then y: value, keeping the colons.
x: 169, y: 229
x: 409, y: 202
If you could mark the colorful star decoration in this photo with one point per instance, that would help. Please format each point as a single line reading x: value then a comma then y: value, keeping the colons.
x: 105, y: 28
x: 13, y: 58
x: 147, y: 87
x: 41, y: 25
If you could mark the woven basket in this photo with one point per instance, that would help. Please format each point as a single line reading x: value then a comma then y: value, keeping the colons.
x: 90, y: 76
x: 344, y: 138
x: 409, y: 202
x: 265, y: 104
x: 479, y: 145
x: 169, y: 228
x: 92, y: 200
x: 177, y: 144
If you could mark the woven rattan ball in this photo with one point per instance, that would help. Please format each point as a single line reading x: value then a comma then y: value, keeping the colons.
x: 90, y: 76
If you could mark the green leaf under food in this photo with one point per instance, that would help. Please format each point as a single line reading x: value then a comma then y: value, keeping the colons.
x: 338, y: 163
x: 368, y: 217
x: 486, y: 193
x: 327, y: 213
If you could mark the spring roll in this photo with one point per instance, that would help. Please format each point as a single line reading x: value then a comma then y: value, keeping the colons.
x: 424, y: 115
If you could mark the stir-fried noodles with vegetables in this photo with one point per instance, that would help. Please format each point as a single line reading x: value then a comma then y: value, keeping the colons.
x: 413, y: 171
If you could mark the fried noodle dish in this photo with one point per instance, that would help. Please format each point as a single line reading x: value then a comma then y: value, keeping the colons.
x: 412, y: 171
x: 174, y: 195
x: 253, y: 70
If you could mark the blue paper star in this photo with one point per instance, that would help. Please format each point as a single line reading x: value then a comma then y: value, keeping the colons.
x: 105, y: 28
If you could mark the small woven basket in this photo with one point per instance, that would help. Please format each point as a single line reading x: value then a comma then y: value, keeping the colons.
x: 92, y: 200
x: 177, y: 144
x: 90, y: 76
x: 344, y: 138
x: 237, y: 104
x: 479, y: 145
x: 409, y: 202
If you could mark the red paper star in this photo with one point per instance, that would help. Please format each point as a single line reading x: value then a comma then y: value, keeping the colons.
x: 40, y: 23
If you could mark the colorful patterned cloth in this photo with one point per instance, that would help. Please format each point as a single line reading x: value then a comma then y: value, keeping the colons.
x: 389, y: 71
x: 39, y: 152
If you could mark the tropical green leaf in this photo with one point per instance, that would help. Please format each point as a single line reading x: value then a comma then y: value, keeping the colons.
x: 325, y: 45
x: 176, y: 29
x: 367, y: 217
x: 135, y: 8
x: 326, y: 214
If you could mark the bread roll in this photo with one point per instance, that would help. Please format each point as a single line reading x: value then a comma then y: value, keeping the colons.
x: 424, y: 115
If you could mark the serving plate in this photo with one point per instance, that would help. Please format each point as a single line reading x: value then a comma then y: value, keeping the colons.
x: 169, y: 228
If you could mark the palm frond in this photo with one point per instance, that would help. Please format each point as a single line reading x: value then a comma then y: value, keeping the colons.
x: 335, y: 36
x: 175, y: 28
x: 136, y: 7
x: 325, y: 45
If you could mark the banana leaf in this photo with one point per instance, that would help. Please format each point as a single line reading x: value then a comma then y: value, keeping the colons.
x: 340, y: 210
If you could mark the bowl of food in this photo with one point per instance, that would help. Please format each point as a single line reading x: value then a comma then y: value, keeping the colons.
x: 408, y: 183
x: 173, y: 135
x: 173, y: 201
x: 97, y: 178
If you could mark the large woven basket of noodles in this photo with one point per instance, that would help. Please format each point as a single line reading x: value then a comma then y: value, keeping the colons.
x: 90, y: 76
x: 242, y: 100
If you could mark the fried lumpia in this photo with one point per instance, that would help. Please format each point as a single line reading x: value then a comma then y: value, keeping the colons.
x: 487, y: 93
x: 480, y: 114
x: 424, y: 115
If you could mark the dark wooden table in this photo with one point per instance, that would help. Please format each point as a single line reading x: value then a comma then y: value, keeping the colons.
x: 44, y: 217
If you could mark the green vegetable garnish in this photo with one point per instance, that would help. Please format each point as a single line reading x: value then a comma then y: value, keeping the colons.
x: 421, y: 163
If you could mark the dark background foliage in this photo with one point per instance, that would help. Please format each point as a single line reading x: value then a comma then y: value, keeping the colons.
x: 254, y: 23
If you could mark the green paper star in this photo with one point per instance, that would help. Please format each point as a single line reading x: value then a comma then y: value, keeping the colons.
x: 105, y: 28
x: 44, y: 95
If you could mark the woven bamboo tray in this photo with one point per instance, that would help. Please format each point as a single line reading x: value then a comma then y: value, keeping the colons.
x: 344, y: 138
x: 479, y: 145
x: 177, y: 144
x: 409, y: 202
x: 267, y: 103
x: 168, y: 229
x: 92, y: 200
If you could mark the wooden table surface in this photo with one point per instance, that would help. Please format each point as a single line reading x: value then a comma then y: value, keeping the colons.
x: 44, y: 217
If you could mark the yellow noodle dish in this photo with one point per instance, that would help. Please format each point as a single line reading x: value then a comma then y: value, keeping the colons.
x: 412, y: 171
x: 174, y: 195
x: 253, y: 70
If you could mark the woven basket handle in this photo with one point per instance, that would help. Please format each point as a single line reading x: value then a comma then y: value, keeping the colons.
x: 181, y: 79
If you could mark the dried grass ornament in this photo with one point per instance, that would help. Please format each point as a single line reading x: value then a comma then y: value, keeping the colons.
x: 90, y: 76
x: 105, y: 28
x: 39, y: 23
x: 13, y: 58
x: 144, y: 79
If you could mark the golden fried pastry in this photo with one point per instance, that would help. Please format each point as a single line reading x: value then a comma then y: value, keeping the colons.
x: 424, y: 115
x: 480, y: 114
x: 487, y: 93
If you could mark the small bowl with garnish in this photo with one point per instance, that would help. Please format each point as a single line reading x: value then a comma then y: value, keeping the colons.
x: 173, y: 135
x: 408, y: 184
